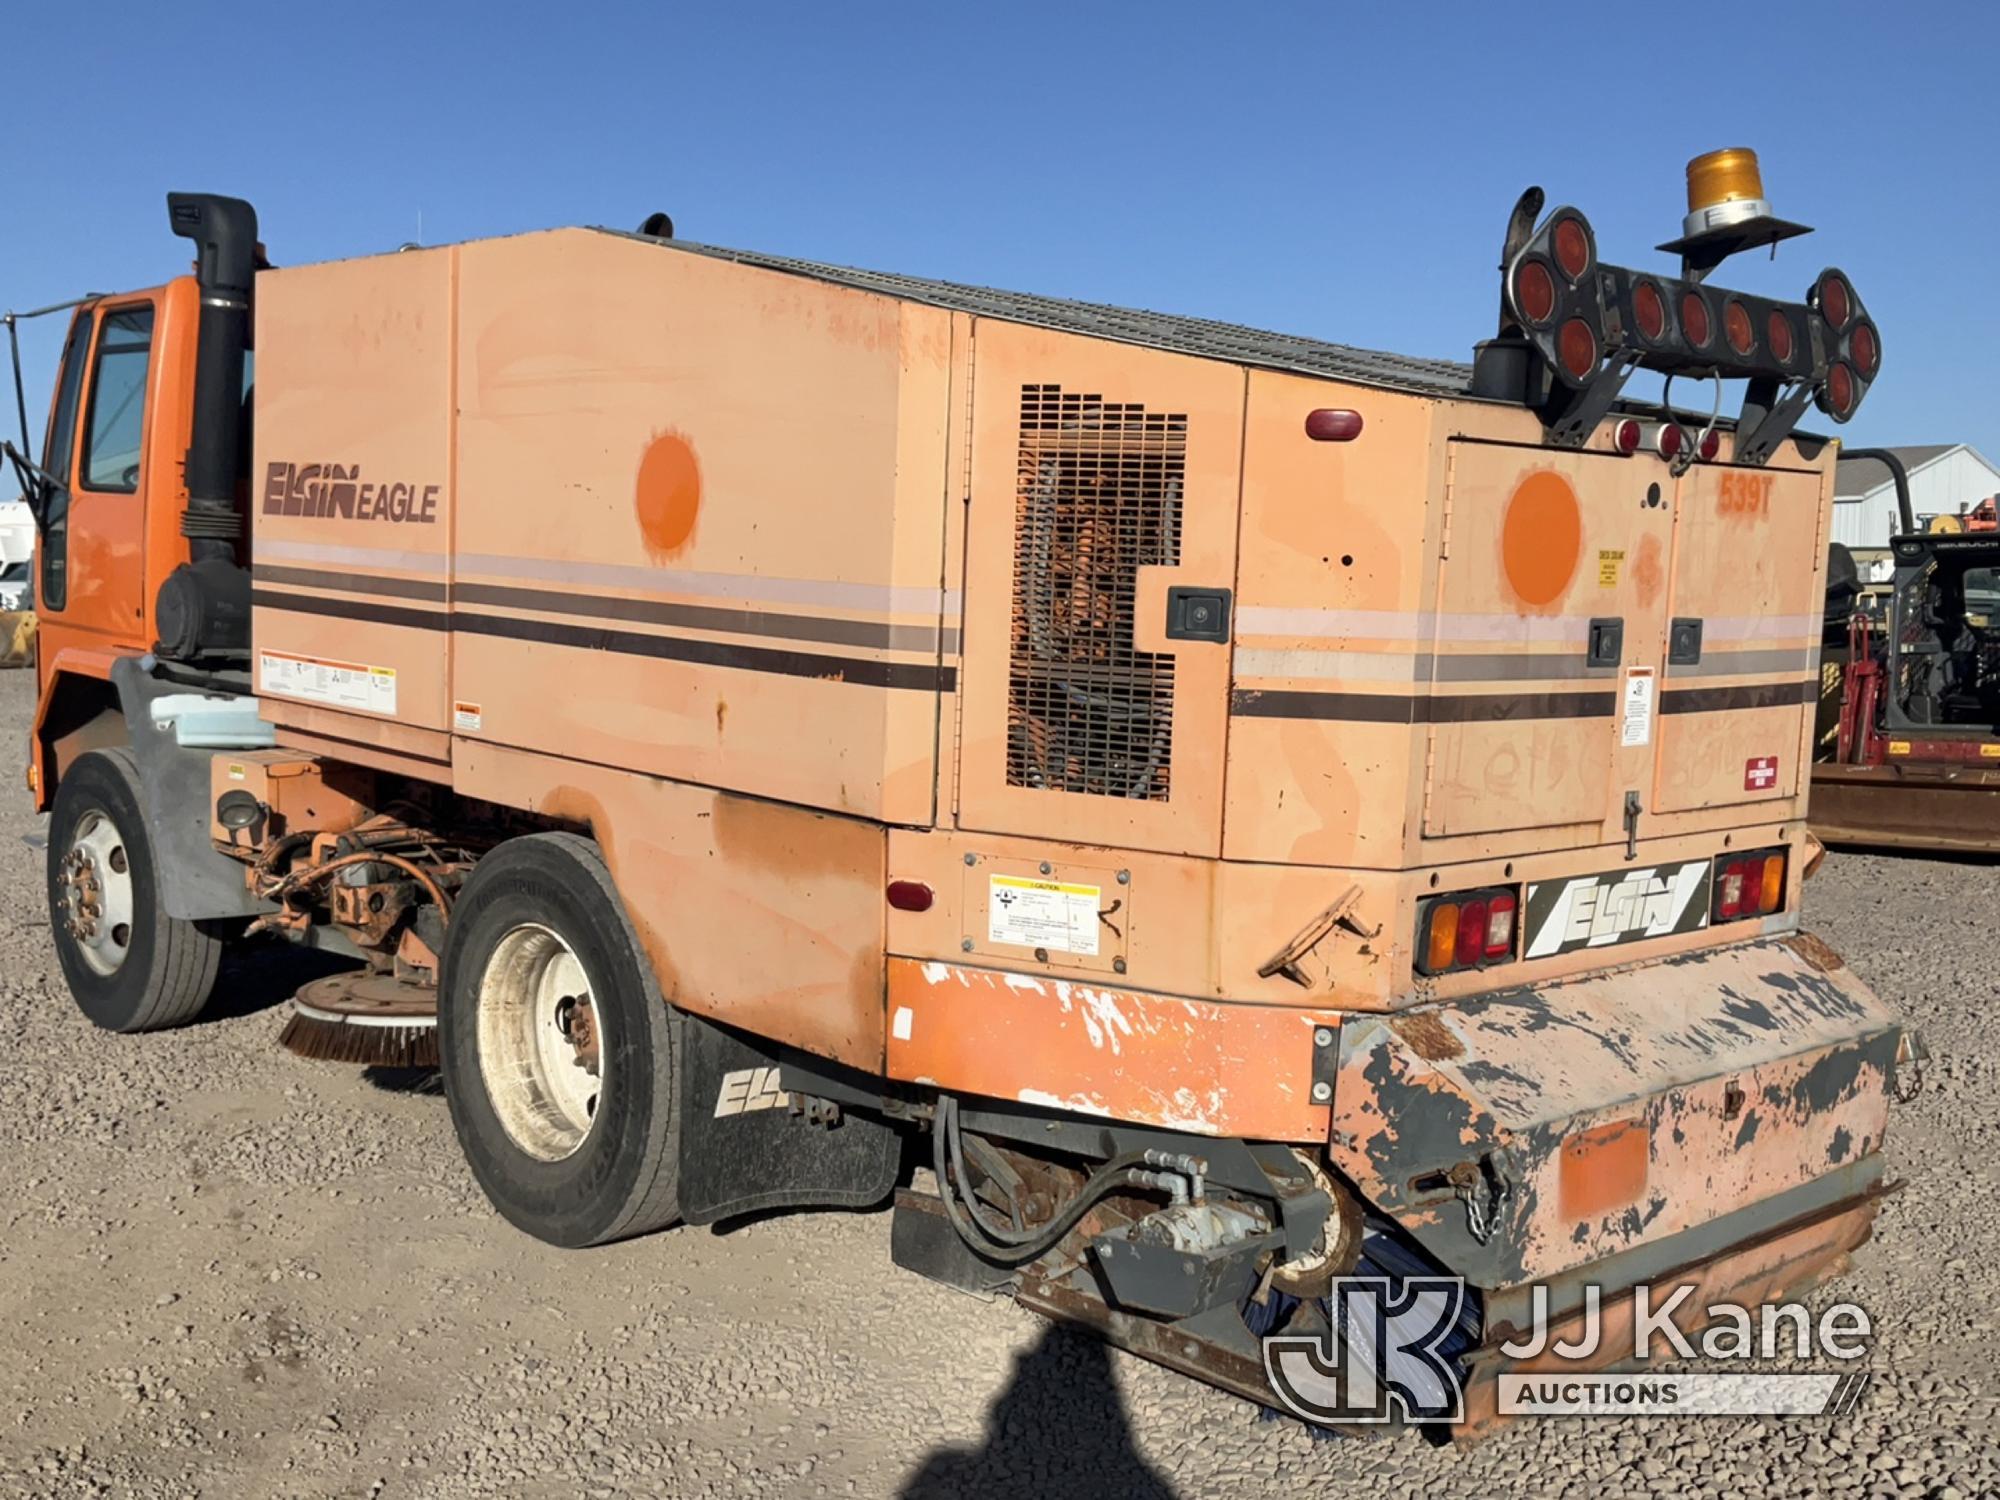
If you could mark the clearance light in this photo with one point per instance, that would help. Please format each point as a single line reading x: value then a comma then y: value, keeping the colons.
x: 1711, y: 444
x: 1749, y: 885
x: 1333, y: 424
x: 909, y: 895
x: 1470, y: 930
x: 1669, y: 439
x: 1626, y: 436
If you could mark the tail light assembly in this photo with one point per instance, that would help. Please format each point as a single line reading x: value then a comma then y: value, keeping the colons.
x: 1467, y: 930
x: 1748, y: 885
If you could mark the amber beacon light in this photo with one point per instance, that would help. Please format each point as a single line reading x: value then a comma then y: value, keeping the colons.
x: 1724, y: 187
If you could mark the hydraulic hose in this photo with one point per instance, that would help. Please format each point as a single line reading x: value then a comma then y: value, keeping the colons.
x: 1004, y: 1244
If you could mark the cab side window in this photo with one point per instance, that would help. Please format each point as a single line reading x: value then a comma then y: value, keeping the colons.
x: 56, y: 453
x: 113, y: 437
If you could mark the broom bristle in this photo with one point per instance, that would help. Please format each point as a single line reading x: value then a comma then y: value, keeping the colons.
x: 412, y: 1046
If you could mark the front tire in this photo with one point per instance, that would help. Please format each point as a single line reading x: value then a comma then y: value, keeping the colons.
x: 558, y: 1049
x: 130, y: 966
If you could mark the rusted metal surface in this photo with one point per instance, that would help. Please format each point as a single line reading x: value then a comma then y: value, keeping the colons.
x: 1952, y: 807
x: 1524, y: 1134
x: 1209, y: 1069
x: 1768, y: 1269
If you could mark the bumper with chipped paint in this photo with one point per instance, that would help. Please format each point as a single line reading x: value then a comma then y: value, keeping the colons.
x: 1578, y: 1122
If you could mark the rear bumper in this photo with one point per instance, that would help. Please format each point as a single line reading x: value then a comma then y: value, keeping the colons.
x: 1524, y: 1136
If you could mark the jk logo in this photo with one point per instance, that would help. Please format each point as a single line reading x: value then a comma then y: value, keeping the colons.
x: 1380, y: 1359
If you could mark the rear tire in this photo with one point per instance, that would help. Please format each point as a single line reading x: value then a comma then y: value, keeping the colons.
x: 558, y: 1050
x: 130, y: 966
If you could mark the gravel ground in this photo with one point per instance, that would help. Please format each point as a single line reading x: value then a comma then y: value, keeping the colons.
x: 227, y: 1271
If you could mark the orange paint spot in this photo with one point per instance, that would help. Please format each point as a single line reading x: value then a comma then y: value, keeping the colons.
x: 1541, y: 538
x: 1604, y: 1169
x: 669, y: 495
x: 1649, y: 574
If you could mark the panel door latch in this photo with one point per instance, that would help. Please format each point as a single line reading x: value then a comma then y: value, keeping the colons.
x: 1684, y: 643
x: 1607, y: 642
x: 1197, y: 614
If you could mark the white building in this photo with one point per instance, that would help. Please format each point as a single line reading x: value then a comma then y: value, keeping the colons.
x: 1945, y: 479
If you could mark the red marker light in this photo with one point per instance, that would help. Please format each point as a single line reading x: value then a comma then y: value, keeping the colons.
x: 1534, y: 291
x: 1333, y: 424
x: 909, y: 895
x: 1861, y: 344
x: 1736, y: 327
x: 1779, y: 336
x: 1578, y: 346
x: 1711, y: 444
x: 1834, y: 302
x: 1626, y: 436
x: 1840, y: 390
x: 1669, y: 440
x: 1572, y: 247
x: 1649, y: 311
x: 1694, y: 320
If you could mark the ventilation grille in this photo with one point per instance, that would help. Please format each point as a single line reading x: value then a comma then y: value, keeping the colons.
x: 1099, y: 498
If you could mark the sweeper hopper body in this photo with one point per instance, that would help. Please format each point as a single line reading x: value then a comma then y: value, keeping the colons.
x: 1210, y: 790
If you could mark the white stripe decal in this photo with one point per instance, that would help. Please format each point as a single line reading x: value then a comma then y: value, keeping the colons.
x: 1759, y: 627
x: 430, y: 564
x: 828, y: 593
x: 1408, y: 625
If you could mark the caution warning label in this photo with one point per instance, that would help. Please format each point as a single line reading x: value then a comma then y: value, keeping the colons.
x: 1042, y: 914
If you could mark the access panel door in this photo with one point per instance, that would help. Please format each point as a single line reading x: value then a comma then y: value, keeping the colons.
x: 1742, y: 663
x: 1544, y: 677
x: 1101, y: 558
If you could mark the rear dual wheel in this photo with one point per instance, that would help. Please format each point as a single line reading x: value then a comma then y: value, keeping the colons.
x: 558, y: 1048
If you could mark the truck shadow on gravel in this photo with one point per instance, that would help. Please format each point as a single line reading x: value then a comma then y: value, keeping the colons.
x: 262, y: 973
x: 1058, y: 1429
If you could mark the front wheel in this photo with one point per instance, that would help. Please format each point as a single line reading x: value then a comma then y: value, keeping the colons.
x: 558, y: 1050
x: 130, y: 966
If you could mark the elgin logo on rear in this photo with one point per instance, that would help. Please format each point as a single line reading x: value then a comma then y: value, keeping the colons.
x: 338, y: 490
x: 1600, y: 913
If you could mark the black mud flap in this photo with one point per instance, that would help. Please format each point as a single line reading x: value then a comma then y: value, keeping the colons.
x: 747, y: 1145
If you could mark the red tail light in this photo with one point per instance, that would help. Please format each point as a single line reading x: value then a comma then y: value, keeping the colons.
x: 909, y: 895
x: 1711, y: 444
x: 1749, y: 885
x: 1626, y: 436
x: 1834, y: 302
x: 1469, y: 930
x: 1669, y: 440
x: 1572, y: 247
x: 1840, y: 390
x: 1333, y: 424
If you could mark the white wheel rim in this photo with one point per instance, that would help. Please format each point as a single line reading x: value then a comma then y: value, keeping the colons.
x: 540, y: 1045
x: 96, y: 879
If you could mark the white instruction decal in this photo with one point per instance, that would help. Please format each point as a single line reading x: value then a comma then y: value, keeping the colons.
x: 466, y: 718
x: 338, y: 684
x: 1638, y: 707
x: 1042, y: 914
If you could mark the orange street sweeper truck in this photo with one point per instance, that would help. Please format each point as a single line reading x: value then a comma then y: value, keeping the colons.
x: 1188, y: 813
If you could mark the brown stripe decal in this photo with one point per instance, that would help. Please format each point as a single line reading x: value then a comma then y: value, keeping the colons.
x: 1396, y: 708
x: 1722, y: 699
x: 353, y: 583
x: 925, y: 676
x: 836, y: 632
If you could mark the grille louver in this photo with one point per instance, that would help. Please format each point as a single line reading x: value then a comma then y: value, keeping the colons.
x: 1099, y: 497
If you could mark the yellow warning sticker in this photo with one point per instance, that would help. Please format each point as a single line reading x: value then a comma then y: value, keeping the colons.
x: 1989, y: 752
x: 1899, y: 747
x: 1042, y: 914
x: 1608, y: 564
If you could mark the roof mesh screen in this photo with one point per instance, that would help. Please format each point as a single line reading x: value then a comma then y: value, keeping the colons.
x: 1099, y: 497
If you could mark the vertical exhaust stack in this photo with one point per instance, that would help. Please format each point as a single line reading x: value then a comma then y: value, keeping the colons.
x: 203, y: 608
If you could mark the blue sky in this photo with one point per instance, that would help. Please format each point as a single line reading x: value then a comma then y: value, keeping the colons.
x: 1328, y: 170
